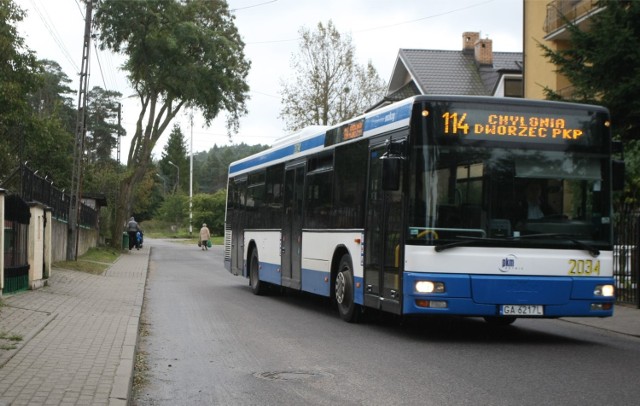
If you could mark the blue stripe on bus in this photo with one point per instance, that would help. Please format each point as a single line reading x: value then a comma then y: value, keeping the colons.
x: 277, y: 154
x: 358, y: 292
x: 314, y: 282
x: 311, y: 281
x: 388, y: 117
x: 270, y: 273
x: 370, y: 123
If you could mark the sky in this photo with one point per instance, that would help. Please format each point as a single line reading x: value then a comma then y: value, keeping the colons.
x: 54, y: 30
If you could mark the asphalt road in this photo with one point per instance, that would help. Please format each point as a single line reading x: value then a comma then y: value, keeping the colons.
x: 210, y: 341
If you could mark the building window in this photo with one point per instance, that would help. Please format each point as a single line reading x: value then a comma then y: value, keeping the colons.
x: 513, y: 87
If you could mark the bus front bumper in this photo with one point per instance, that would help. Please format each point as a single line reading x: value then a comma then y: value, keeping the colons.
x: 498, y: 295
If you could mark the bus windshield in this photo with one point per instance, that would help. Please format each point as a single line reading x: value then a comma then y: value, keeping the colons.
x: 502, y: 194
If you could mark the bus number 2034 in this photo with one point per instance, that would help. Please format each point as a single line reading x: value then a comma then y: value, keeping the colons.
x: 584, y: 267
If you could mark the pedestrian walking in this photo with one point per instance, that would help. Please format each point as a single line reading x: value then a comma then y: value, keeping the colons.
x: 205, y: 235
x: 132, y: 229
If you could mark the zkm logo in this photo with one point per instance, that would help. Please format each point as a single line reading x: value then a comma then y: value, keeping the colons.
x: 508, y: 264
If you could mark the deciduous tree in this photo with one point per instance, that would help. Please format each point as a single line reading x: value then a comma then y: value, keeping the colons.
x: 179, y: 54
x: 19, y: 76
x: 328, y: 85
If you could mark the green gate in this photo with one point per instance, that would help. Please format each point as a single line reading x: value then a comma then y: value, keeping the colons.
x: 16, y: 237
x: 16, y: 279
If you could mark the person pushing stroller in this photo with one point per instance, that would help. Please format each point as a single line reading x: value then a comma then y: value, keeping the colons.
x: 133, y: 229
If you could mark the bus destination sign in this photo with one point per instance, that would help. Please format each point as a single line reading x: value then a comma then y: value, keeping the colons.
x: 345, y: 132
x: 483, y: 124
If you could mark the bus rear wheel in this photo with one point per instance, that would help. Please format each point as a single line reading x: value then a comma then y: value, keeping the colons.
x: 257, y: 286
x: 344, y: 291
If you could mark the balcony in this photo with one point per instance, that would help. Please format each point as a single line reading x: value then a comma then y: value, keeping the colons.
x: 576, y: 11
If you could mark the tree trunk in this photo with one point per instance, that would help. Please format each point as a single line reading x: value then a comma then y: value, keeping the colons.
x: 122, y: 213
x: 124, y: 204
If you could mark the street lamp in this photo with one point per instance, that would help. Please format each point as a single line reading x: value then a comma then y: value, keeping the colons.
x: 177, y: 177
x: 191, y: 180
x: 164, y: 182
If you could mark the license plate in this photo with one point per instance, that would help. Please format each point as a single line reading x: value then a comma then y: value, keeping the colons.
x: 522, y: 310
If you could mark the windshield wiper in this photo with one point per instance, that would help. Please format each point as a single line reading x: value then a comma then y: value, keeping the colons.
x: 468, y: 240
x: 592, y: 250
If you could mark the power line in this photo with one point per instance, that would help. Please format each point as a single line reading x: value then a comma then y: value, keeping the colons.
x: 80, y: 9
x: 385, y: 26
x: 100, y: 66
x: 425, y: 18
x: 264, y: 94
x: 50, y: 27
x: 255, y: 5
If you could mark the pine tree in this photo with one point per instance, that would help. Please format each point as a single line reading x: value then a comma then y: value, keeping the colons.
x: 602, y: 63
x: 175, y: 151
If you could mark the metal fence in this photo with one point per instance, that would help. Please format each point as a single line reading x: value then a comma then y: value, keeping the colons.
x: 626, y: 255
x: 561, y: 11
x: 33, y: 187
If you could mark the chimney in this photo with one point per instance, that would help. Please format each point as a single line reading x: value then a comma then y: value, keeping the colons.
x: 469, y: 40
x: 483, y: 52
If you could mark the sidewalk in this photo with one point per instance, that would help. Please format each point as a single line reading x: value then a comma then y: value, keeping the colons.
x: 78, y: 337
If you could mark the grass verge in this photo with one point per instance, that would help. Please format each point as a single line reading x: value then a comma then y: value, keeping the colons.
x: 94, y: 261
x: 8, y: 341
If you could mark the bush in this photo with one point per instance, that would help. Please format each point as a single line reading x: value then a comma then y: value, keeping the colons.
x: 173, y: 215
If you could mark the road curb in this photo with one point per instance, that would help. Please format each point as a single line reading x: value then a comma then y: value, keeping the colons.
x: 121, y: 390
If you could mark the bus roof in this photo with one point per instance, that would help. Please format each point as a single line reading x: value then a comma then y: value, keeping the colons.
x: 312, y: 139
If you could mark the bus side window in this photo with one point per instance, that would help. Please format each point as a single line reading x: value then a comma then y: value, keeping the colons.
x: 318, y: 199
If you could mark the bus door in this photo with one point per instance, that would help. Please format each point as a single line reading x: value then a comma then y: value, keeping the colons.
x: 237, y: 226
x: 291, y: 240
x: 383, y: 230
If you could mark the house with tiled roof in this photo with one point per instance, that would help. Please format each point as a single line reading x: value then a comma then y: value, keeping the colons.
x: 475, y: 71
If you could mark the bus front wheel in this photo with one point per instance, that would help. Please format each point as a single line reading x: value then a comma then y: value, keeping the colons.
x: 344, y: 290
x: 257, y: 287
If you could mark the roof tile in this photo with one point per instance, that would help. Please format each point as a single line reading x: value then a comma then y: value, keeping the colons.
x: 456, y: 72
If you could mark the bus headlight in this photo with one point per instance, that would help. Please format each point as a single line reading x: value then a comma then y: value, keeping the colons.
x: 429, y: 287
x: 604, y: 290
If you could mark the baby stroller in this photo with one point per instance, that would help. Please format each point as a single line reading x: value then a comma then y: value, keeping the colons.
x: 139, y: 239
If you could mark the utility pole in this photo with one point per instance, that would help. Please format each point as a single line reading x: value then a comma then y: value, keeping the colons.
x: 191, y: 181
x: 119, y: 132
x: 78, y: 151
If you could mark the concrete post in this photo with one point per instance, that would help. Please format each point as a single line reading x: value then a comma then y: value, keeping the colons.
x: 48, y: 240
x: 35, y: 249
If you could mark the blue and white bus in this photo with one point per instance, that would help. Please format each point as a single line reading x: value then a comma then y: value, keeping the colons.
x: 419, y: 208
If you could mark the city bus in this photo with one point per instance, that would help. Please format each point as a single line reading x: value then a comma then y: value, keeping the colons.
x: 419, y: 208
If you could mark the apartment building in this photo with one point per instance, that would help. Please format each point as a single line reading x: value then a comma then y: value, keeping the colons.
x: 544, y: 22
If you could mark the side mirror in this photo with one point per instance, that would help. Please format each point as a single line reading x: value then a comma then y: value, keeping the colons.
x: 617, y: 169
x: 391, y: 169
x: 392, y: 165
